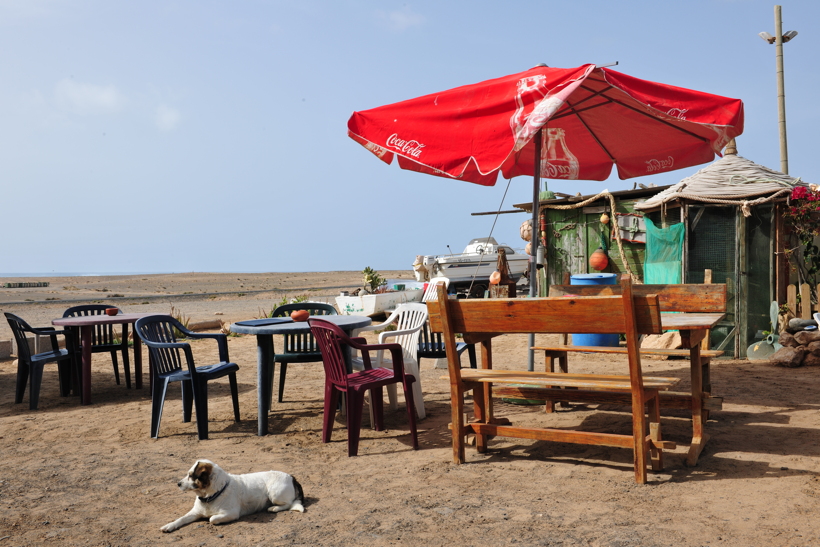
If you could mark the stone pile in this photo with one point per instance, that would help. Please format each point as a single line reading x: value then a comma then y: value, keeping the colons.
x: 801, y: 345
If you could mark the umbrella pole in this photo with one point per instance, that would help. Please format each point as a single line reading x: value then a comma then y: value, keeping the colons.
x: 536, y: 236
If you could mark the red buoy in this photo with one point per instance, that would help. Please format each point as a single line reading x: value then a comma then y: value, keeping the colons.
x: 598, y: 260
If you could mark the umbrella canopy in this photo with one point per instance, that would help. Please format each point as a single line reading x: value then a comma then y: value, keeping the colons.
x: 592, y: 118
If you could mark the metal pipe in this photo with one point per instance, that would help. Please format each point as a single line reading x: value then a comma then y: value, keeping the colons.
x: 536, y: 235
x: 781, y: 90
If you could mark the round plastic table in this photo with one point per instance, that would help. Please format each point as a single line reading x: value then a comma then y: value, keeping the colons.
x: 264, y: 329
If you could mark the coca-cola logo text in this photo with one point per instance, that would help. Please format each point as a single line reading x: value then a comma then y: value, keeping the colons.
x: 679, y: 113
x: 410, y: 148
x: 659, y: 165
x: 554, y: 171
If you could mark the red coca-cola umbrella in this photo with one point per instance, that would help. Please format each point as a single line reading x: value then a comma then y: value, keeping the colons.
x: 560, y: 123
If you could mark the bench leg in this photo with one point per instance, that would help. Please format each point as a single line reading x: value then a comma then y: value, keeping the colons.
x: 480, y: 415
x: 457, y: 422
x: 655, y: 453
x: 699, y: 435
x: 707, y: 381
x: 639, y: 444
x: 549, y: 366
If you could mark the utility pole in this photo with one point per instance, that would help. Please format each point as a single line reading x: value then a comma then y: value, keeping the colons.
x: 778, y: 40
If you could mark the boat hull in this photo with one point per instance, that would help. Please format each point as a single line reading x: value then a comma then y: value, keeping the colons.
x: 376, y: 304
x: 463, y: 270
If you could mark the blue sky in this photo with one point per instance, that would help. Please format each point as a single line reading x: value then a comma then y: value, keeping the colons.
x: 194, y: 135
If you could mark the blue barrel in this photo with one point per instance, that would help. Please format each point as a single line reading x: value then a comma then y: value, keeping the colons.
x: 610, y: 340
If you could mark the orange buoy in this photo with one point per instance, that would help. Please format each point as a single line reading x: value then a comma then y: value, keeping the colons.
x: 495, y: 278
x: 598, y: 260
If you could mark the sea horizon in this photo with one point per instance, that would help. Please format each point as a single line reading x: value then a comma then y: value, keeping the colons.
x: 76, y: 274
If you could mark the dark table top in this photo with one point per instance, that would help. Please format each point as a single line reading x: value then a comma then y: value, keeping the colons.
x: 346, y: 322
x: 86, y: 320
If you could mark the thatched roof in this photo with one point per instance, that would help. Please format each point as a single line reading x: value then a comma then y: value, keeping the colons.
x: 731, y: 180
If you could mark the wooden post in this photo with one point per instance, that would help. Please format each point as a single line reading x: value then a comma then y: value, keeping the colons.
x: 506, y: 286
x: 707, y: 280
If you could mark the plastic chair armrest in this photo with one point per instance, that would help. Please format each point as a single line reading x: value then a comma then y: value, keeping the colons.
x: 221, y: 341
x: 395, y: 354
x: 47, y: 331
x: 393, y: 333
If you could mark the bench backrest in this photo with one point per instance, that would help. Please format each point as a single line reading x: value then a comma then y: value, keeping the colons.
x: 584, y: 314
x: 485, y: 318
x: 690, y: 298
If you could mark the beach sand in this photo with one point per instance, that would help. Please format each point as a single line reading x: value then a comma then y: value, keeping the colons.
x: 90, y: 475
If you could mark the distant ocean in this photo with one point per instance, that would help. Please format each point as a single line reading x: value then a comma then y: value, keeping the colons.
x: 73, y: 274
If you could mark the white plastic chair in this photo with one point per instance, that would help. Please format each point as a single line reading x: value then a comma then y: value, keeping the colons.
x: 431, y: 292
x: 408, y: 319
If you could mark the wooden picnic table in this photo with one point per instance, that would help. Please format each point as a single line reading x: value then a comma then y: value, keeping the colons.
x: 693, y: 328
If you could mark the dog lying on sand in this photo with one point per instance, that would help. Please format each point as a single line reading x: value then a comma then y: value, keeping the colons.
x: 223, y: 497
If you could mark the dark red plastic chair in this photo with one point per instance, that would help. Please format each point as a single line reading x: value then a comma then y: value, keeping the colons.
x: 332, y: 341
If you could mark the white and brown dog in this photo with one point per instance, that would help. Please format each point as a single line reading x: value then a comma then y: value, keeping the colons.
x: 222, y: 497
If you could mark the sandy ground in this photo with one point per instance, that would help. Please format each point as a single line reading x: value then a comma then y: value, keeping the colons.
x: 90, y: 475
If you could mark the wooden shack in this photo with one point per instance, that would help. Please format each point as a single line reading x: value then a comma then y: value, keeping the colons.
x: 732, y: 213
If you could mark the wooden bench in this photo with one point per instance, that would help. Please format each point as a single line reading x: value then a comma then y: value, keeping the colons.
x: 480, y: 320
x: 686, y: 298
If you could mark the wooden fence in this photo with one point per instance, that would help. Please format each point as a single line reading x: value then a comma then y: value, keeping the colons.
x: 805, y: 308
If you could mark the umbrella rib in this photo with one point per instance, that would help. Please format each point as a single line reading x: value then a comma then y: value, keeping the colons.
x: 591, y: 132
x: 630, y: 107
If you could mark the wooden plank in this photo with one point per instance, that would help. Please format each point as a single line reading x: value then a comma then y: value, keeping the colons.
x: 622, y: 351
x: 599, y: 381
x: 663, y: 352
x: 700, y: 298
x: 669, y: 399
x: 791, y: 299
x: 556, y: 435
x: 547, y: 315
x: 805, y: 301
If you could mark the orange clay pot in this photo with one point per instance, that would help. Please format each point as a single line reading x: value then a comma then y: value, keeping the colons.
x: 299, y: 315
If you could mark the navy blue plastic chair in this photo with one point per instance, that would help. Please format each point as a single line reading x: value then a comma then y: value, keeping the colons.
x: 30, y: 366
x: 431, y: 346
x: 298, y: 348
x: 167, y: 365
x: 104, y: 339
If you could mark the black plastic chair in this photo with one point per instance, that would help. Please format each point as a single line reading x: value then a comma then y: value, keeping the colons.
x: 431, y: 346
x: 158, y: 333
x: 103, y: 338
x: 31, y: 366
x: 298, y: 348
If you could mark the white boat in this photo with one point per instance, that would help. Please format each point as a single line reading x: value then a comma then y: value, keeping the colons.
x: 477, y: 262
x: 375, y: 304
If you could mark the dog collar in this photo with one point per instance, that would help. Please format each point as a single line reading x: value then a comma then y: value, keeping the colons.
x: 209, y: 499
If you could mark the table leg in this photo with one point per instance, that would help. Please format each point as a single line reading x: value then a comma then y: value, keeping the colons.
x: 264, y: 358
x: 137, y: 361
x: 86, y: 334
x: 699, y: 436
